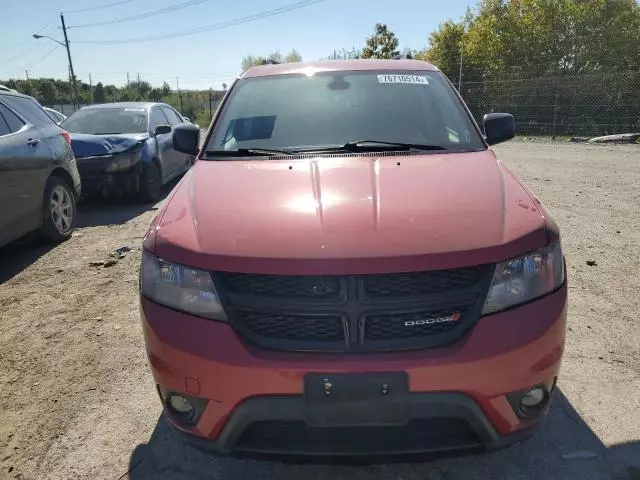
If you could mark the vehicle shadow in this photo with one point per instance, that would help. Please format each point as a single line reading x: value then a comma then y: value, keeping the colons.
x: 564, y: 448
x: 19, y: 254
x: 94, y: 212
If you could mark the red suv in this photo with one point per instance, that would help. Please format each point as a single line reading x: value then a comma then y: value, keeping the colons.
x: 349, y: 270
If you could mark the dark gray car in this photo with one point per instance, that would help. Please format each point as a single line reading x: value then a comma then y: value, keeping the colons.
x: 39, y: 179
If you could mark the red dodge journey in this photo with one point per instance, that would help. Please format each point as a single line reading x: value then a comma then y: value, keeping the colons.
x: 348, y: 269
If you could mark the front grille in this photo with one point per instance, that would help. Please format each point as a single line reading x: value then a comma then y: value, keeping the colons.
x: 420, y: 283
x: 293, y: 326
x: 284, y: 286
x: 391, y: 326
x: 354, y: 312
x: 419, y: 435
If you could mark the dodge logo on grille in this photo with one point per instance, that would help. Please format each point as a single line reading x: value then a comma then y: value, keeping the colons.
x: 454, y: 317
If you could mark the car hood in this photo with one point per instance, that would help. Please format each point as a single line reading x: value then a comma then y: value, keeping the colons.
x: 348, y: 214
x: 97, y: 145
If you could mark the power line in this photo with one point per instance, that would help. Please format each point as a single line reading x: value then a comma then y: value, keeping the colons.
x: 23, y: 53
x: 88, y: 9
x: 30, y: 47
x: 142, y: 15
x: 42, y: 57
x: 208, y: 28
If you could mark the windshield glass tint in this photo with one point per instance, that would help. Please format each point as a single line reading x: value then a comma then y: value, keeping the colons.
x: 103, y: 121
x: 333, y: 108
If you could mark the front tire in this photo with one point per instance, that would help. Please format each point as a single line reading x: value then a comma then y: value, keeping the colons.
x: 151, y: 183
x: 58, y: 210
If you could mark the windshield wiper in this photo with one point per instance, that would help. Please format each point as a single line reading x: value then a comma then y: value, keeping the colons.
x: 365, y: 145
x: 248, y: 152
x: 372, y: 146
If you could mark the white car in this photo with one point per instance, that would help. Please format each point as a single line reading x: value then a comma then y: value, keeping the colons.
x: 55, y: 115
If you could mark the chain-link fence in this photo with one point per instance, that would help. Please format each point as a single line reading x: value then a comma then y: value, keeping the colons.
x: 562, y: 104
x: 595, y: 103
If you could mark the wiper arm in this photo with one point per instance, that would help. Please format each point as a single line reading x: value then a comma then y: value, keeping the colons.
x: 373, y: 144
x: 248, y: 152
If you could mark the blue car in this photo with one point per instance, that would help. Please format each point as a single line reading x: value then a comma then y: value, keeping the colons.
x: 126, y: 148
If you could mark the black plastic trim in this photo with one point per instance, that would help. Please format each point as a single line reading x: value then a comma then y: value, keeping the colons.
x: 293, y: 408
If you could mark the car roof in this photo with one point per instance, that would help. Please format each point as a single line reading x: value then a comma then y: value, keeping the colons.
x: 145, y: 105
x: 14, y: 93
x: 337, y: 66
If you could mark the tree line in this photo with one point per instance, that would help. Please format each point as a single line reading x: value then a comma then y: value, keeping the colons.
x: 562, y: 63
x: 561, y: 66
x: 53, y: 92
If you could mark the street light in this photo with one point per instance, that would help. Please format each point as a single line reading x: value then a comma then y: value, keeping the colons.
x: 35, y: 35
x: 65, y: 45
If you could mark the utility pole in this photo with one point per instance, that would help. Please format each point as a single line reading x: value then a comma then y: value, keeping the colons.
x: 179, y: 96
x: 138, y: 84
x: 26, y: 72
x: 460, y: 73
x: 91, y: 88
x: 127, y: 79
x: 73, y: 75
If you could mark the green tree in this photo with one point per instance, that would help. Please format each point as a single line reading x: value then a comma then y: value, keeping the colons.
x: 98, y: 93
x: 166, y: 89
x: 293, y: 56
x: 445, y: 47
x: 344, y: 54
x: 542, y: 37
x: 249, y: 61
x: 382, y: 44
x: 47, y: 93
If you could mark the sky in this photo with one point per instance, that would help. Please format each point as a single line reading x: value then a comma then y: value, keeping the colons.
x: 201, y: 59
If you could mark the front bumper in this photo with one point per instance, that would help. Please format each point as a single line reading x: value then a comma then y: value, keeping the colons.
x: 458, y: 393
x: 98, y: 183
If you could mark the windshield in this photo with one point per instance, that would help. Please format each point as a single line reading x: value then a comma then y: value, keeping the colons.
x: 330, y: 109
x: 103, y: 121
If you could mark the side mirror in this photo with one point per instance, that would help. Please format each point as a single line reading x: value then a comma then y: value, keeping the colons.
x: 499, y: 127
x: 162, y: 129
x: 186, y: 138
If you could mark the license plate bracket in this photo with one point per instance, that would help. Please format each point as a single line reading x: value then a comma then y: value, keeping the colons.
x: 363, y: 399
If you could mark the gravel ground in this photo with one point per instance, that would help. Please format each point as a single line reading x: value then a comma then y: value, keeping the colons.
x: 77, y: 399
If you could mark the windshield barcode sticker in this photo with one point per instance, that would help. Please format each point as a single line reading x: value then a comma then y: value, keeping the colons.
x: 406, y: 79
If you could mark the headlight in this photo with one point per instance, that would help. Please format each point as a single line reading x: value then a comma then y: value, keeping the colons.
x: 180, y: 287
x: 123, y: 162
x: 525, y: 278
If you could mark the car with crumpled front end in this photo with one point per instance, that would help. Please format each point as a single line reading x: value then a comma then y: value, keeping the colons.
x: 348, y: 269
x: 125, y: 148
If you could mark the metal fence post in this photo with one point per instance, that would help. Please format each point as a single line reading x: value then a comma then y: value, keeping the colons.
x: 555, y: 106
x: 210, y: 108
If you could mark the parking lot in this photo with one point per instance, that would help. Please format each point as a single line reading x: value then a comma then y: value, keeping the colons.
x: 77, y: 399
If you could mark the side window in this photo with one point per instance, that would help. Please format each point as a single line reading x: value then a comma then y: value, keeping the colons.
x: 4, y: 128
x: 156, y: 118
x: 172, y: 116
x: 30, y: 109
x: 12, y: 121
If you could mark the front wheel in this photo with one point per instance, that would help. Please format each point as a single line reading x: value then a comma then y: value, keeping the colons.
x: 58, y: 210
x: 151, y: 183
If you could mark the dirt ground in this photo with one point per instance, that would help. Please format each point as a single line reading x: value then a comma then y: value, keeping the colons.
x: 77, y: 399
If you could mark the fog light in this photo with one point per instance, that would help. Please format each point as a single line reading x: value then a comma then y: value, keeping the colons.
x: 533, y: 398
x: 529, y: 403
x: 181, y: 408
x: 180, y: 405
